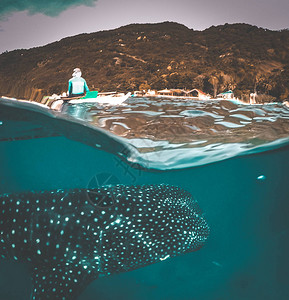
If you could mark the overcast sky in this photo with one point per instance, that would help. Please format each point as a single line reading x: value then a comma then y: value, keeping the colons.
x: 30, y: 23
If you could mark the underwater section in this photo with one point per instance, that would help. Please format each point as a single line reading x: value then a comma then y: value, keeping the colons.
x: 242, y: 194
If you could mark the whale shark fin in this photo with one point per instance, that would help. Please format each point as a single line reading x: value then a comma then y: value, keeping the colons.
x: 60, y: 281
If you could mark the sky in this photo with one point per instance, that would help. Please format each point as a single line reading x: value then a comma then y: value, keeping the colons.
x: 31, y: 23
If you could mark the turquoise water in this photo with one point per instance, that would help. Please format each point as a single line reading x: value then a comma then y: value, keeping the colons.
x: 244, y: 197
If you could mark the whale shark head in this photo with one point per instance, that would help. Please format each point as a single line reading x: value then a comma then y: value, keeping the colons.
x: 71, y: 237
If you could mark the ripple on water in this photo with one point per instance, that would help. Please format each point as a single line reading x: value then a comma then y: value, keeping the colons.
x: 240, y: 116
x: 199, y: 113
x: 229, y: 124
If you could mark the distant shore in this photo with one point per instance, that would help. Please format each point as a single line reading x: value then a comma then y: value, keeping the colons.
x: 238, y: 57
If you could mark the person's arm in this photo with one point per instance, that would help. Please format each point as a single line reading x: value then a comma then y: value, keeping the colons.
x: 69, y: 87
x: 85, y: 86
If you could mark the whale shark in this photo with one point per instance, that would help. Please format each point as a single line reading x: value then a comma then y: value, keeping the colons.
x: 71, y: 237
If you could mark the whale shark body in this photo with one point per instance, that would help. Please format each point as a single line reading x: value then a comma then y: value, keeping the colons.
x: 71, y: 237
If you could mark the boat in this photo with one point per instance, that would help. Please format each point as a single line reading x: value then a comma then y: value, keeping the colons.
x: 93, y: 97
x: 56, y: 102
x: 113, y: 99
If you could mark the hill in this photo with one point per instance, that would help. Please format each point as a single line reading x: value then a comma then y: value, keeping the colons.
x: 240, y: 57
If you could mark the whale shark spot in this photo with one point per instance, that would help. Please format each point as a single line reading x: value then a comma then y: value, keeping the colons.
x: 72, y: 237
x: 100, y: 198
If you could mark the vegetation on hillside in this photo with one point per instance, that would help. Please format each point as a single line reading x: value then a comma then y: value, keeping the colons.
x: 239, y: 57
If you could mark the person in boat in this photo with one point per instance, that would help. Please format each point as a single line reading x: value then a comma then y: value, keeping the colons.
x: 77, y: 85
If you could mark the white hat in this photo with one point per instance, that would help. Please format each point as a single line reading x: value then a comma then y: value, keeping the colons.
x: 76, y: 72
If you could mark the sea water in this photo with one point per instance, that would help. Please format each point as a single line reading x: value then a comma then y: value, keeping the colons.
x: 233, y: 159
